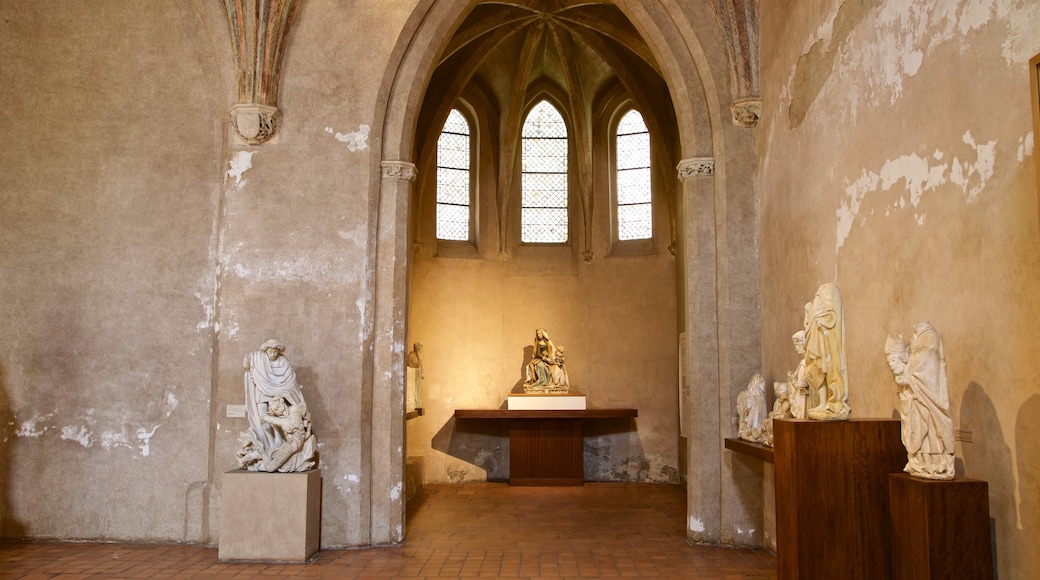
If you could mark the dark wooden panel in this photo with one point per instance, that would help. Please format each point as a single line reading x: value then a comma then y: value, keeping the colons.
x: 832, y: 516
x: 940, y: 529
x: 545, y: 452
x: 877, y: 452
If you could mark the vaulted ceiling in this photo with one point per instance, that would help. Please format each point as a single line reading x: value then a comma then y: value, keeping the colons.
x: 577, y: 50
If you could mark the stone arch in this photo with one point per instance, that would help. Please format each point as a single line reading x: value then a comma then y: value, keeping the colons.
x: 706, y: 300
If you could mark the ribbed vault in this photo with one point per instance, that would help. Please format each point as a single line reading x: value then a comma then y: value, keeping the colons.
x: 581, y: 53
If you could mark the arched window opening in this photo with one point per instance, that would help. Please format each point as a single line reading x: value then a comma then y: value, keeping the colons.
x: 454, y: 163
x: 632, y: 159
x: 543, y: 213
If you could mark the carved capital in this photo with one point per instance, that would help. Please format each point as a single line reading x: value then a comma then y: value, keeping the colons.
x: 697, y: 166
x: 746, y: 111
x: 254, y: 123
x: 399, y: 170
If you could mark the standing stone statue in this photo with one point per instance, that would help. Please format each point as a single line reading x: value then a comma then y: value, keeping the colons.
x: 825, y: 361
x: 801, y: 398
x: 924, y: 402
x: 415, y: 361
x: 751, y: 410
x: 279, y: 436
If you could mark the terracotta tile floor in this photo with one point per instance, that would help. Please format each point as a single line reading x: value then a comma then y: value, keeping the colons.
x: 485, y: 530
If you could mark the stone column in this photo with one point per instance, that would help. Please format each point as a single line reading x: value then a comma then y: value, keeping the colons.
x: 697, y: 211
x: 388, y: 353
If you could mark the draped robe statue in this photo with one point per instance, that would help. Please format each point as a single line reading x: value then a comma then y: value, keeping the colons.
x: 924, y: 402
x: 825, y: 361
x: 279, y: 436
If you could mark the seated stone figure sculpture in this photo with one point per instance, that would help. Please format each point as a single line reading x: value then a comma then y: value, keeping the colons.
x: 279, y: 437
x: 751, y: 410
x: 924, y: 402
x: 546, y: 372
x: 781, y: 410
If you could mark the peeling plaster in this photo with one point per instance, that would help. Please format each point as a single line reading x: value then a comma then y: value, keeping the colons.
x: 919, y: 175
x: 145, y: 437
x: 395, y: 492
x: 80, y: 434
x: 696, y: 525
x: 1025, y: 147
x: 29, y: 428
x: 887, y: 42
x: 240, y: 162
x: 171, y: 403
x: 356, y: 140
x: 111, y: 439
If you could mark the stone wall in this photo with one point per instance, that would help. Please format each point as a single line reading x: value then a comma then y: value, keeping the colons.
x: 896, y: 158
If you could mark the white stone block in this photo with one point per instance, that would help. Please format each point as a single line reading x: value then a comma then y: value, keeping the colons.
x: 564, y: 402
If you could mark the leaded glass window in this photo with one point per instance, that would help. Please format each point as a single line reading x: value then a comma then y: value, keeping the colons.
x: 453, y: 179
x: 543, y: 213
x: 634, y: 215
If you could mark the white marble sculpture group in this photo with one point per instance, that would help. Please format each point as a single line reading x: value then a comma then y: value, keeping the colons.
x: 818, y: 388
x: 546, y: 373
x: 279, y: 438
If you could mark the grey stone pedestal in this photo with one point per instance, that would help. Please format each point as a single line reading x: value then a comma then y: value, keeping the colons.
x: 270, y: 517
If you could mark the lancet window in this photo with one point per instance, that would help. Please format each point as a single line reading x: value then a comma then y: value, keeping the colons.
x: 544, y: 198
x: 632, y: 179
x: 454, y: 170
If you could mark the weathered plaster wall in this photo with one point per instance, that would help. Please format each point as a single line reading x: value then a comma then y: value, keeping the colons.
x: 897, y: 160
x: 295, y: 246
x: 146, y: 252
x: 108, y: 192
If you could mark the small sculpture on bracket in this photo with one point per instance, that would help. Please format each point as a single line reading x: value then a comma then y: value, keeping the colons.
x: 415, y: 362
x: 546, y: 372
x: 279, y: 436
x: 919, y: 369
x: 751, y: 410
x: 781, y: 410
x: 798, y: 393
x: 825, y: 361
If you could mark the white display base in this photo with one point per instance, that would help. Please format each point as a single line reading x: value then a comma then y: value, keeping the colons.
x: 564, y: 402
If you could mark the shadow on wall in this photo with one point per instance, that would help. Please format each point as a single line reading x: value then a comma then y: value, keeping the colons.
x: 1027, y: 449
x: 518, y: 387
x: 990, y: 457
x: 9, y: 527
x: 480, y: 442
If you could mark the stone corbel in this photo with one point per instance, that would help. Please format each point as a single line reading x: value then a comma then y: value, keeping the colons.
x: 746, y: 111
x: 696, y: 167
x: 254, y: 123
x: 402, y: 170
x: 259, y: 32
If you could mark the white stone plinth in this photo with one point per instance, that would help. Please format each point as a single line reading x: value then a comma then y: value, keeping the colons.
x: 563, y: 402
x: 270, y: 517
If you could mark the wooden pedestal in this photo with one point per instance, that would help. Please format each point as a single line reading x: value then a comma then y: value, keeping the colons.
x: 545, y: 452
x: 940, y: 529
x: 545, y: 446
x: 832, y: 505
